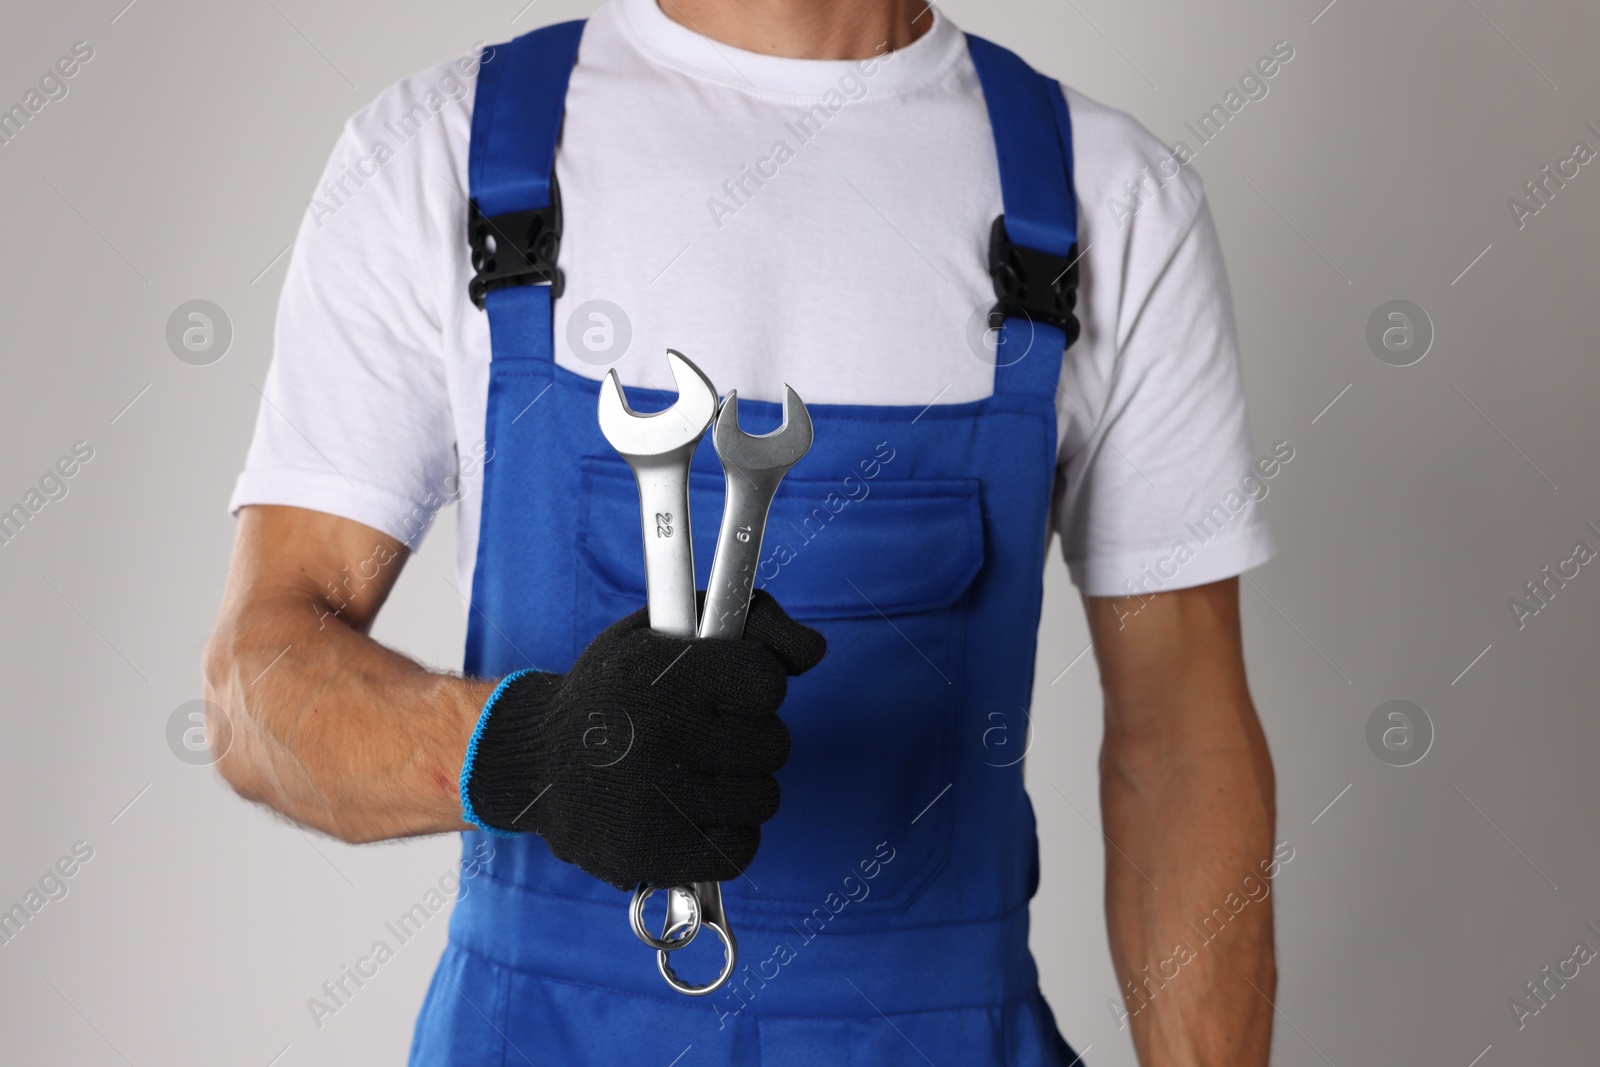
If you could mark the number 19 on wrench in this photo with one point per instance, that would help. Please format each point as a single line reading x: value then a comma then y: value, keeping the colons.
x: 658, y: 448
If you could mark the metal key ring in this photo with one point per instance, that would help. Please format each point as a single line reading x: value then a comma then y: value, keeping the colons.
x: 683, y: 918
x: 711, y: 903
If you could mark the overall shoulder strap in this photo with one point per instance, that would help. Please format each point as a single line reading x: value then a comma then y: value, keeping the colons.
x: 1033, y: 248
x: 515, y: 214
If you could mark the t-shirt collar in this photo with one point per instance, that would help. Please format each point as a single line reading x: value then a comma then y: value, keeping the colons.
x: 681, y: 47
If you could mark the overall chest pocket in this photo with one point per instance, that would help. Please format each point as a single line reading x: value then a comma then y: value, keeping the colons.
x: 884, y: 568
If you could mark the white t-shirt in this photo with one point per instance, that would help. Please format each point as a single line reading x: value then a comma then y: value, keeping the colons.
x: 850, y: 263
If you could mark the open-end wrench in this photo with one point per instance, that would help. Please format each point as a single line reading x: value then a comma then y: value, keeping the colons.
x: 752, y: 466
x: 658, y: 448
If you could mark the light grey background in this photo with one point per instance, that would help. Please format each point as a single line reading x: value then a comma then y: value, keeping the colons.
x: 1378, y: 168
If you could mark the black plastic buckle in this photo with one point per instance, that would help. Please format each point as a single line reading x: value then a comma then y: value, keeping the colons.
x: 517, y: 248
x: 1031, y: 284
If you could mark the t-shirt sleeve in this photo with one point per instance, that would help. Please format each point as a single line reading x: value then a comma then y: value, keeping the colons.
x: 355, y: 417
x: 1158, y: 487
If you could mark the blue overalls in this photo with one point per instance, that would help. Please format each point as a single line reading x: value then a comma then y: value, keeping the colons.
x: 885, y: 919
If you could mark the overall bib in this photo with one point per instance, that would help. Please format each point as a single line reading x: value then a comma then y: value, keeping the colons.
x: 885, y: 918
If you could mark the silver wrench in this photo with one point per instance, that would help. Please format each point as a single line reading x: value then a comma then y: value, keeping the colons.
x: 752, y: 467
x: 658, y: 448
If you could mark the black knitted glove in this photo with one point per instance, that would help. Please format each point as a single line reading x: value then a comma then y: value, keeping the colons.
x: 652, y: 761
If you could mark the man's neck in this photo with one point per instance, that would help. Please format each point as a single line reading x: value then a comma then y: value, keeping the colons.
x: 806, y: 29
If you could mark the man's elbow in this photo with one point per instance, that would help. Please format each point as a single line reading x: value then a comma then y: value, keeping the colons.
x: 218, y: 669
x: 239, y: 760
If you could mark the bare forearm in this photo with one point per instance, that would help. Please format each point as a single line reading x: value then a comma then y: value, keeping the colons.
x: 1189, y: 903
x: 1187, y: 796
x: 324, y: 724
x: 339, y: 733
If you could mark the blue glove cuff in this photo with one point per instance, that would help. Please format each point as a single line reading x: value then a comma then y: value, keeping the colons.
x: 472, y: 754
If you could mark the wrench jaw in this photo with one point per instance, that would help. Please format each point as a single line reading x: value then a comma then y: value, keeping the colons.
x: 752, y: 466
x: 778, y: 450
x: 659, y: 435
